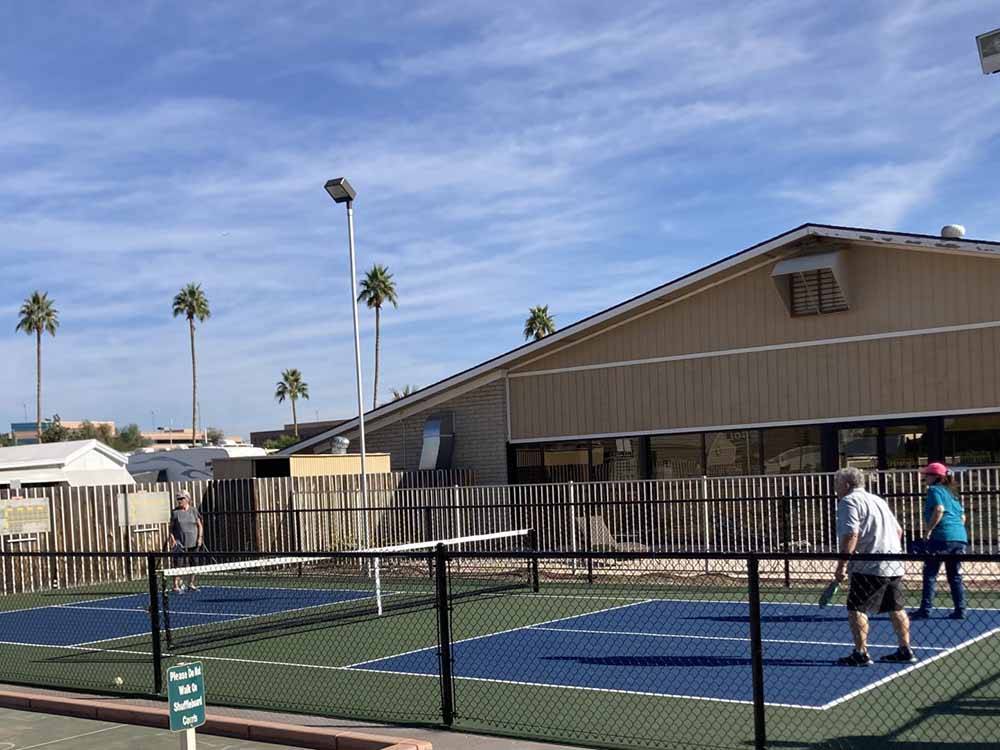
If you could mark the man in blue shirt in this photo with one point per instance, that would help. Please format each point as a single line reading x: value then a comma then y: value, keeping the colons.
x: 945, y: 535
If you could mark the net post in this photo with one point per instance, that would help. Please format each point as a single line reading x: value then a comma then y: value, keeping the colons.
x: 154, y: 625
x: 428, y: 536
x: 533, y: 558
x: 444, y: 635
x: 378, y: 586
x: 756, y: 654
x: 165, y: 605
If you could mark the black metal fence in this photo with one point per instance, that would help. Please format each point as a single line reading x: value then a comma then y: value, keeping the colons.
x: 648, y: 650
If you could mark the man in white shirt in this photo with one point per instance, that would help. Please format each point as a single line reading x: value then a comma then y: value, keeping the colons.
x: 866, y: 525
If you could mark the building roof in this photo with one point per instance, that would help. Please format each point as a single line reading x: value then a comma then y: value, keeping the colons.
x: 901, y: 240
x: 54, y: 454
x: 48, y: 463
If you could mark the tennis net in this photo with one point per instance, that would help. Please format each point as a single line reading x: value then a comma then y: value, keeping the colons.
x: 203, y: 604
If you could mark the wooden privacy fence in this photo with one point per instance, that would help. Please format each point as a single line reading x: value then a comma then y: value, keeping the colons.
x: 748, y: 514
x: 251, y: 515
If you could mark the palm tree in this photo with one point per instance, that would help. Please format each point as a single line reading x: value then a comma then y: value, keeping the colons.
x: 38, y: 316
x: 539, y: 323
x: 292, y: 387
x: 377, y: 288
x: 404, y: 392
x: 192, y: 303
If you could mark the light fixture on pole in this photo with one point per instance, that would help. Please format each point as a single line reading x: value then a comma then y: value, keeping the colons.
x: 342, y: 192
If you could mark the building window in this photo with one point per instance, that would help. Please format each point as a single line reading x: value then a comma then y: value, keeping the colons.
x: 858, y: 447
x: 972, y: 440
x: 613, y: 460
x: 906, y: 446
x: 555, y: 462
x: 677, y: 456
x: 732, y: 454
x: 792, y: 450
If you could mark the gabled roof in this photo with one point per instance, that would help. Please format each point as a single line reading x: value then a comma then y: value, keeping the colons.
x: 901, y: 240
x: 56, y: 455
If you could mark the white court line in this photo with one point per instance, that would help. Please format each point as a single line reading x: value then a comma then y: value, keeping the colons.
x: 498, y: 632
x: 594, y: 689
x: 144, y: 610
x: 74, y: 737
x: 233, y: 618
x: 713, y: 601
x: 78, y: 648
x: 60, y: 606
x: 909, y: 669
x: 689, y: 636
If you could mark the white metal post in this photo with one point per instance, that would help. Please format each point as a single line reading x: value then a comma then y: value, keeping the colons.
x: 357, y: 372
x: 188, y: 740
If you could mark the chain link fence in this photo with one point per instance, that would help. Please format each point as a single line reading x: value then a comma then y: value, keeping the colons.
x: 650, y: 649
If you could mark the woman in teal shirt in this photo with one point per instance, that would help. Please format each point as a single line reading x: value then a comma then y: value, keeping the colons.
x: 945, y: 535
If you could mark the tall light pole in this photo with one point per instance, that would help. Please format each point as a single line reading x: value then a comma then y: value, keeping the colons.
x: 342, y: 192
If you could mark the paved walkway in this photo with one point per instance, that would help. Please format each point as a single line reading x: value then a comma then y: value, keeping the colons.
x: 57, y: 730
x: 24, y: 730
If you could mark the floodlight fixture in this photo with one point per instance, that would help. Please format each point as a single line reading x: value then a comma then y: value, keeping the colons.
x: 340, y: 190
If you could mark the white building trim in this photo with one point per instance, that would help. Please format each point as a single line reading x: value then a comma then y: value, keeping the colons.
x: 765, y: 348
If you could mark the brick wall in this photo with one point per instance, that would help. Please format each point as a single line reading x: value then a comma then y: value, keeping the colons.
x: 480, y: 420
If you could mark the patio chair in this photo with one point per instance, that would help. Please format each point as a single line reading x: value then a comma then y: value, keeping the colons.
x: 601, y: 537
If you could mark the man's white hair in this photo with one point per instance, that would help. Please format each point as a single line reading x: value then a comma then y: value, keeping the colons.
x: 852, y: 476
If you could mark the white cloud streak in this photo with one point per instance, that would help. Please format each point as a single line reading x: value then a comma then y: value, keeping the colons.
x: 572, y: 155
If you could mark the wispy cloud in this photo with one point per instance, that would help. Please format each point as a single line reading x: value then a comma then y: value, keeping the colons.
x: 567, y: 154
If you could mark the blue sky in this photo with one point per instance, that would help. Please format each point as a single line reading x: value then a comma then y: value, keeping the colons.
x: 505, y: 155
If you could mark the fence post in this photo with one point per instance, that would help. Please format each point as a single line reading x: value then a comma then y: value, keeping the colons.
x: 706, y: 538
x: 154, y: 624
x: 444, y: 636
x: 457, y: 511
x: 786, y: 535
x: 756, y: 654
x: 588, y: 540
x: 533, y: 560
x: 572, y: 522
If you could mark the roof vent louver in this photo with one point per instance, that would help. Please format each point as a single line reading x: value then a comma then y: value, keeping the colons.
x: 812, y: 284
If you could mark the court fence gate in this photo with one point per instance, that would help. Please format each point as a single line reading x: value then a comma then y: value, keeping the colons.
x: 647, y: 650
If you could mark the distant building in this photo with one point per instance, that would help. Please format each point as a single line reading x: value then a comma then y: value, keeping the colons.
x: 820, y: 348
x: 174, y: 437
x: 75, y: 463
x: 306, y: 430
x: 23, y: 433
x: 183, y: 463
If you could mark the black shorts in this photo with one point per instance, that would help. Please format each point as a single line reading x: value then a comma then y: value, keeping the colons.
x: 181, y: 557
x: 875, y: 594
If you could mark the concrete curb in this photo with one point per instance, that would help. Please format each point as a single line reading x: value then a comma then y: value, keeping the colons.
x: 318, y: 738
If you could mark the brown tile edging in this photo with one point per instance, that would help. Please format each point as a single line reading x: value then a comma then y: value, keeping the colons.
x: 317, y: 738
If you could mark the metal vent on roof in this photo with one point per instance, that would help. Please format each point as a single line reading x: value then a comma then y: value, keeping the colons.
x: 816, y: 292
x: 812, y: 284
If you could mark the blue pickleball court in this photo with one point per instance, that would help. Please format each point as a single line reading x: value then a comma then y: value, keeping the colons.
x: 695, y: 649
x: 116, y: 617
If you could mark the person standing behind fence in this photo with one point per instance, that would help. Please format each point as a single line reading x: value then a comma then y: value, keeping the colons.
x: 866, y: 525
x: 186, y: 535
x: 945, y: 535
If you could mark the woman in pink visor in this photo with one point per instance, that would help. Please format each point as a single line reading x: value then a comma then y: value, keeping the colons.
x: 946, y: 535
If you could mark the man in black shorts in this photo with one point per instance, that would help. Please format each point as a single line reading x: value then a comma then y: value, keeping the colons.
x: 865, y: 524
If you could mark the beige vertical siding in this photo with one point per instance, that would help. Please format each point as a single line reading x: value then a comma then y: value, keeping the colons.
x: 890, y: 290
x: 937, y: 372
x: 335, y: 465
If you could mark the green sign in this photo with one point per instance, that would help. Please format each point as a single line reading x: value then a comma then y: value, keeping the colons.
x: 186, y: 696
